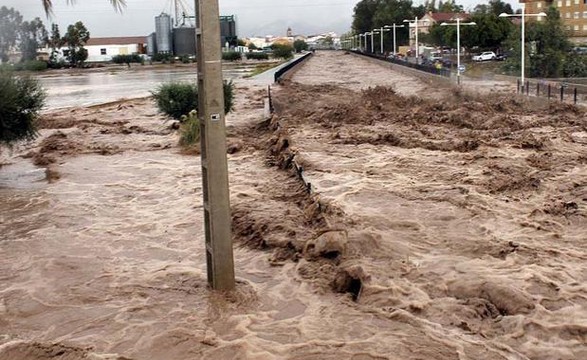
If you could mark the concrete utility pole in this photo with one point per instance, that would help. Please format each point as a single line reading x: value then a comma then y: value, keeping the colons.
x: 217, y: 220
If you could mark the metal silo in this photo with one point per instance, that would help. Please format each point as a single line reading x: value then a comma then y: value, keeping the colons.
x: 163, y: 31
x: 184, y: 41
x: 152, y: 44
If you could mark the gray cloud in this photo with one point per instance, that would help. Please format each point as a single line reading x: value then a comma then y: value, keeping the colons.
x: 254, y: 17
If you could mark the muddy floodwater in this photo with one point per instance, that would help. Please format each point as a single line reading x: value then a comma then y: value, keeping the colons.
x: 376, y: 215
x: 68, y: 89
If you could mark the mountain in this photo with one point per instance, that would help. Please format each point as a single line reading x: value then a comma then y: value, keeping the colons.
x: 279, y: 27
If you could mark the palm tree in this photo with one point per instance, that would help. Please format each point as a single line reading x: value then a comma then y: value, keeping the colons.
x: 48, y: 5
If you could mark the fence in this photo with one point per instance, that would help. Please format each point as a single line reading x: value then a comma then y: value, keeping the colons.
x: 553, y: 90
x: 426, y: 68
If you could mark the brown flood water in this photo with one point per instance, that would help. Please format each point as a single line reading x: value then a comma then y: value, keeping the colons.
x: 448, y: 228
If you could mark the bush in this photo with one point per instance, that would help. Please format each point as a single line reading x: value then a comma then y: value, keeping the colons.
x: 575, y: 65
x: 300, y: 45
x: 162, y: 57
x: 177, y: 99
x: 231, y: 56
x: 34, y: 65
x: 257, y: 56
x: 127, y: 59
x: 283, y: 51
x: 22, y: 99
x: 190, y: 129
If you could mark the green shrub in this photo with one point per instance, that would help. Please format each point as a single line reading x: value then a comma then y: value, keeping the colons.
x: 127, y: 59
x: 159, y: 57
x: 257, y: 56
x: 231, y: 56
x: 35, y: 65
x: 185, y: 59
x: 300, y: 45
x: 190, y: 129
x: 177, y: 99
x: 283, y: 51
x: 22, y: 99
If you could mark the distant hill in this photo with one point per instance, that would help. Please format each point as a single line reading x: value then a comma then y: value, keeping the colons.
x: 279, y: 28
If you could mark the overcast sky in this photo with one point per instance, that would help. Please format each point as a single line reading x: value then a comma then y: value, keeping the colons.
x: 254, y: 17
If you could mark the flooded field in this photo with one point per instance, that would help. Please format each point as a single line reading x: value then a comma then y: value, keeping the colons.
x: 439, y: 225
x: 66, y: 89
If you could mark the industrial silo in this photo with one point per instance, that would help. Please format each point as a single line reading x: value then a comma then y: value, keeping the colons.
x: 184, y: 41
x: 228, y: 30
x: 152, y: 44
x: 163, y: 31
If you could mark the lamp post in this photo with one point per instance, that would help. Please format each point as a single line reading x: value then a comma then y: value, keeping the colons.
x: 458, y: 25
x: 382, y: 30
x: 394, y: 26
x: 371, y: 33
x: 523, y: 16
x: 415, y: 22
x: 360, y: 42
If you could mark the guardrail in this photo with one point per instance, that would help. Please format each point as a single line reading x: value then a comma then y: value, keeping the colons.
x: 429, y: 69
x: 281, y: 72
x: 553, y: 90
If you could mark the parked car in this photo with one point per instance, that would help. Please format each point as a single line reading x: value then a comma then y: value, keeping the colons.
x: 488, y: 55
x: 502, y: 57
x: 436, y: 56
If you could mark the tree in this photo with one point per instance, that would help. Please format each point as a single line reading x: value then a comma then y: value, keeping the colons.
x: 300, y: 45
x: 10, y: 22
x: 282, y: 51
x: 76, y: 37
x: 547, y: 47
x: 22, y: 99
x: 489, y: 33
x: 55, y: 42
x: 372, y: 14
x: 494, y: 7
x: 32, y: 35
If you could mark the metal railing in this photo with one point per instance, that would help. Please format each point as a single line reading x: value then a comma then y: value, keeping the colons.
x: 553, y: 90
x: 444, y: 72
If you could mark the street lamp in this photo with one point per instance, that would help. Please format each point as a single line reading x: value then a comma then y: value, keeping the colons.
x: 415, y: 22
x: 383, y: 29
x: 523, y: 16
x: 458, y: 25
x: 370, y: 33
x: 394, y: 26
x: 361, y: 42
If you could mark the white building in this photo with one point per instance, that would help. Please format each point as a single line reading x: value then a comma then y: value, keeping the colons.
x: 103, y: 49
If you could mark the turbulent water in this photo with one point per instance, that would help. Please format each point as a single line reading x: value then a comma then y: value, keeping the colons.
x: 432, y: 230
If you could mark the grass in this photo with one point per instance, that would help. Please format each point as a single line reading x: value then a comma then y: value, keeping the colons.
x: 261, y: 68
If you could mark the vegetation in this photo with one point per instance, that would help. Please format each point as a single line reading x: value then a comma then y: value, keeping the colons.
x: 22, y: 99
x: 300, y: 45
x: 76, y: 37
x: 178, y: 99
x: 231, y: 56
x: 547, y: 49
x: 164, y: 58
x: 32, y: 36
x: 127, y: 59
x: 10, y: 22
x: 257, y: 56
x: 261, y: 68
x: 55, y: 42
x: 190, y: 129
x: 282, y: 51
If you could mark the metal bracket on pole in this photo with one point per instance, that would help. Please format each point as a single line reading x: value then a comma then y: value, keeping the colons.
x: 217, y: 220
